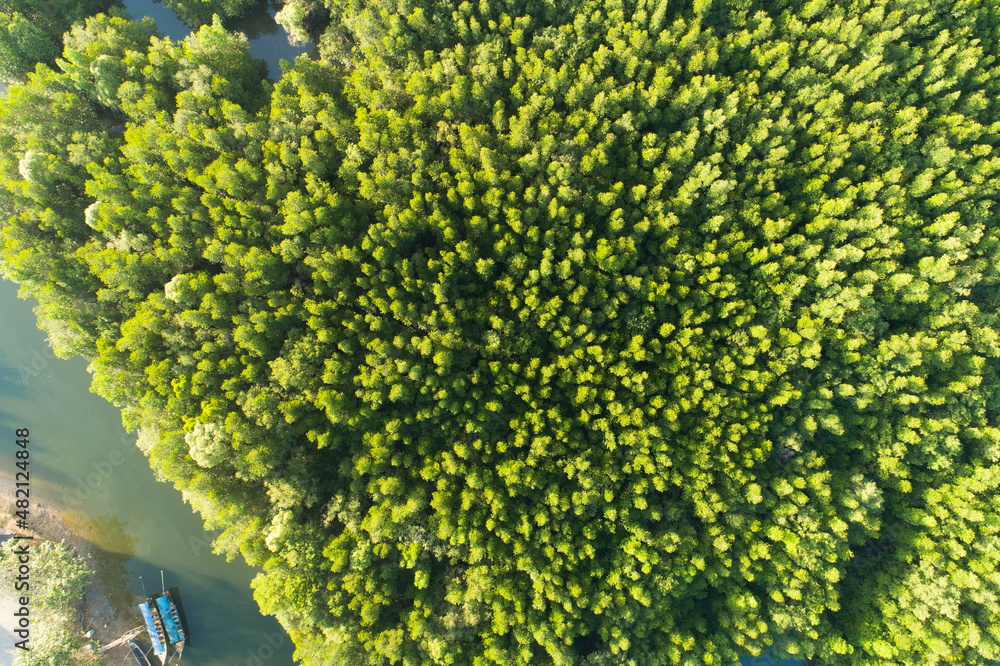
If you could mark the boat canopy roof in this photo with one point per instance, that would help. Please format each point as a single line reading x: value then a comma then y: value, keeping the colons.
x: 171, y: 622
x: 154, y: 636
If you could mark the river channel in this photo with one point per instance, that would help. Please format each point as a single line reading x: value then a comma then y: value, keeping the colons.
x: 84, y: 463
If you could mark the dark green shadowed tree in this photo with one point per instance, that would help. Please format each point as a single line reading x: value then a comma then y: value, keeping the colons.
x: 31, y: 31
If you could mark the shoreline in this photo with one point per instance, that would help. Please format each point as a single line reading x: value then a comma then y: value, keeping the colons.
x: 96, y: 611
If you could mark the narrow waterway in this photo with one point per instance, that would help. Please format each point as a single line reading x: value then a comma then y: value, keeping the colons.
x: 84, y: 463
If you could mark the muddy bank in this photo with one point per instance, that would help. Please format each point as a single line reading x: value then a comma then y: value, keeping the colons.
x: 107, y: 607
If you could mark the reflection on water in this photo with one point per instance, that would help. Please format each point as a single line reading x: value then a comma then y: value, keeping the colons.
x: 257, y: 22
x: 268, y: 40
x: 113, y: 548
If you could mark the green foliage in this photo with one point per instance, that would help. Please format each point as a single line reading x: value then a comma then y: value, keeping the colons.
x: 59, y: 580
x: 931, y: 585
x: 609, y: 332
x: 207, y: 444
x: 197, y: 13
x: 55, y: 15
x: 22, y: 44
x: 303, y: 20
x: 31, y: 31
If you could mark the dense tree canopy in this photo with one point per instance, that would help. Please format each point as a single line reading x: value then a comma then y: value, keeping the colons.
x: 31, y: 31
x: 521, y: 333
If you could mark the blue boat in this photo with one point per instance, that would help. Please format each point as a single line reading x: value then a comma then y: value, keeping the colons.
x: 154, y: 625
x: 171, y: 622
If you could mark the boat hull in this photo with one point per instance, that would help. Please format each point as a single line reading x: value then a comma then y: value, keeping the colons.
x: 138, y: 654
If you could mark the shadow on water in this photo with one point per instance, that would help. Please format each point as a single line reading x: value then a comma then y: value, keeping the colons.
x: 167, y: 22
x: 175, y: 594
x: 257, y: 21
x: 12, y: 384
x: 9, y: 419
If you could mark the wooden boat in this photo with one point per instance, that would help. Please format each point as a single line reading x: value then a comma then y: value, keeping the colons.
x: 139, y: 655
x: 171, y: 622
x: 154, y: 625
